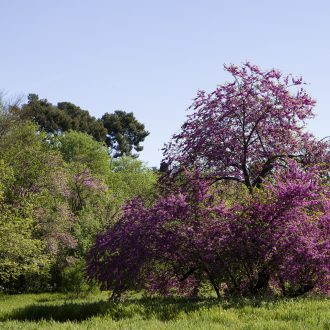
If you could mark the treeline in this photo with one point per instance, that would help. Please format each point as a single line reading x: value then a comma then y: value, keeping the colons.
x: 64, y: 176
x: 119, y: 130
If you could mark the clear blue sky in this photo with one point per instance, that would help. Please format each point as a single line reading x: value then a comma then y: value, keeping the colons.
x: 150, y: 57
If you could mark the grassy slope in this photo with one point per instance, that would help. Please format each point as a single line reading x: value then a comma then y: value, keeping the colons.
x: 58, y: 311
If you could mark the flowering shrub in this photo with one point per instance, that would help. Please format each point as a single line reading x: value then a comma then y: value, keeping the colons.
x: 249, y: 207
x: 280, y: 236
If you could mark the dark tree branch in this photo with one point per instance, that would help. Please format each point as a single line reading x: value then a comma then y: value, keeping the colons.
x: 187, y: 274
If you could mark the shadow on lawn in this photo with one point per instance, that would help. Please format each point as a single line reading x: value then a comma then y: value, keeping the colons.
x: 61, y: 313
x: 163, y: 309
x: 160, y: 308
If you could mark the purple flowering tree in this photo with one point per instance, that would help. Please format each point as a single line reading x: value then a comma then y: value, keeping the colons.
x: 249, y: 209
x: 244, y: 128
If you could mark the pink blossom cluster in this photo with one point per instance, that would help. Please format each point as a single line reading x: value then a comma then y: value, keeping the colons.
x: 244, y: 128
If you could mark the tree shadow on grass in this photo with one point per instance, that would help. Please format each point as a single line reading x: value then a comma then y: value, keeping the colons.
x: 163, y: 309
x: 66, y: 312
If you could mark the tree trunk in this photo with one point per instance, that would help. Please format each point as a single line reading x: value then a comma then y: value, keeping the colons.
x: 214, y: 284
x: 262, y: 282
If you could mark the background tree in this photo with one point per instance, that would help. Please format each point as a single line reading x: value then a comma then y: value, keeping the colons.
x: 82, y: 121
x: 120, y: 130
x: 39, y: 181
x: 60, y: 118
x: 44, y: 114
x: 129, y: 178
x: 124, y: 133
x: 80, y: 148
x: 7, y: 119
x: 21, y: 254
x: 97, y: 188
x: 57, y: 191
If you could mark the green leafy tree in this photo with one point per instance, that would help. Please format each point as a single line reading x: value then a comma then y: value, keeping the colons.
x: 21, y: 254
x: 120, y: 130
x: 125, y: 133
x: 60, y: 118
x: 88, y: 166
x: 7, y: 118
x: 77, y: 147
x: 47, y: 116
x: 40, y: 182
x: 129, y: 178
x: 82, y: 121
x: 57, y: 191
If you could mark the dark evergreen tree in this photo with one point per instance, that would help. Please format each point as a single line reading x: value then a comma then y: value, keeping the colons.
x: 120, y: 130
x: 125, y: 133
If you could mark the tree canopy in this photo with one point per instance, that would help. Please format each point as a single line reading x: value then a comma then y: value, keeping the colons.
x: 57, y: 191
x: 125, y: 133
x: 120, y: 130
x: 244, y: 128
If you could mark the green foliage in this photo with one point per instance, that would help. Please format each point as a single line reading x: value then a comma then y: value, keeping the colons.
x: 60, y: 118
x: 82, y: 121
x: 74, y: 280
x: 23, y: 150
x: 20, y: 252
x: 7, y: 119
x: 121, y: 130
x: 81, y: 148
x: 35, y: 210
x: 124, y: 133
x: 129, y: 178
x: 57, y: 192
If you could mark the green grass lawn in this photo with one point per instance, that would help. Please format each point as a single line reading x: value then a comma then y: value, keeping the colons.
x: 60, y: 311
